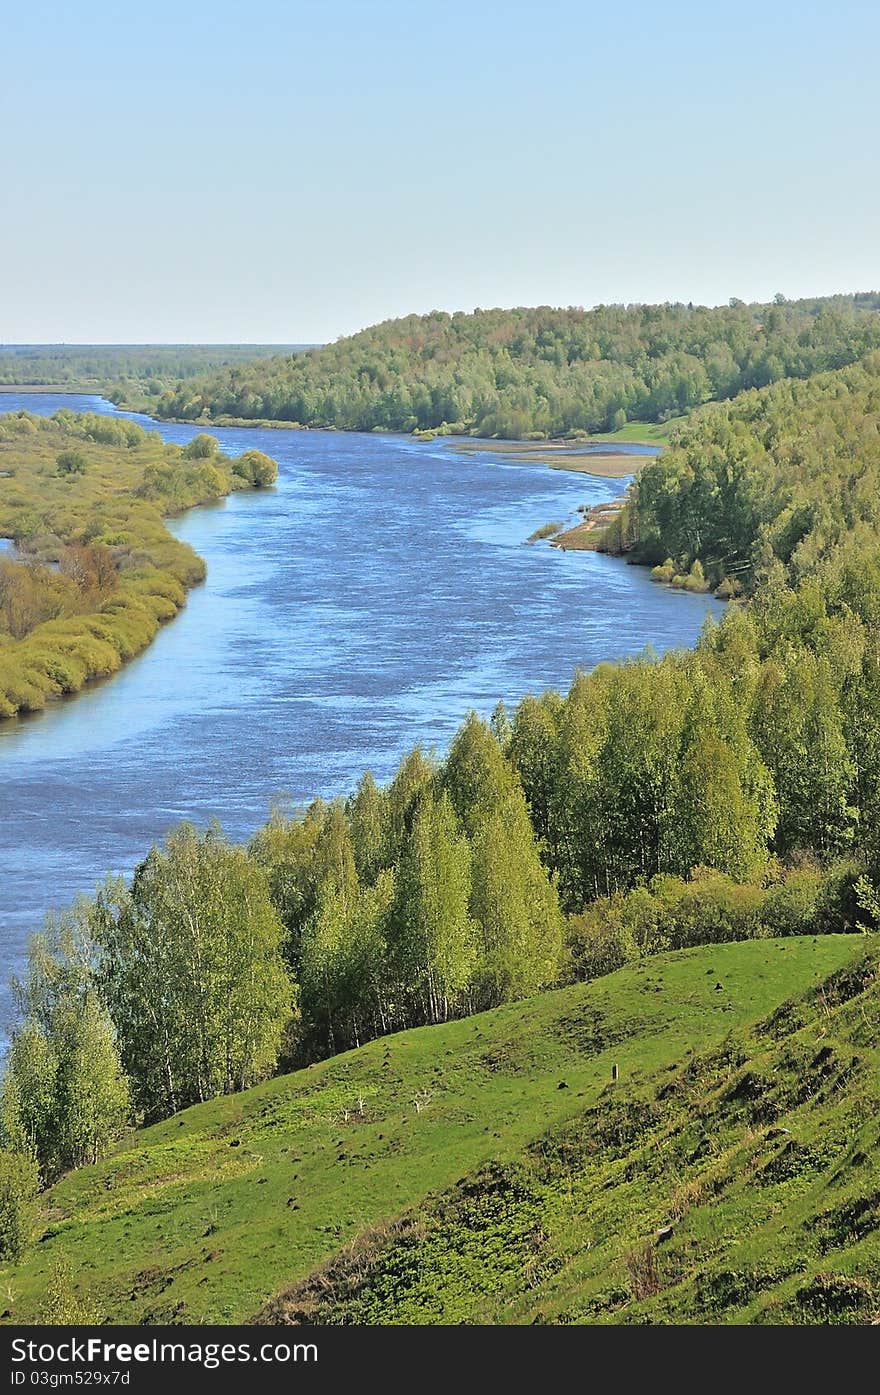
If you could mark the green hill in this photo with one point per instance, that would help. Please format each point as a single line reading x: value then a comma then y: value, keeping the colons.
x: 488, y: 1169
x: 540, y: 372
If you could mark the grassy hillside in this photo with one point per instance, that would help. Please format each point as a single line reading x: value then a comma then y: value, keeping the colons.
x: 543, y: 1177
x: 740, y: 1186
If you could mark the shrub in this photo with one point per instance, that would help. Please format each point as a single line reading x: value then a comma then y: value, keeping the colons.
x: 695, y: 580
x: 71, y: 462
x: 546, y: 530
x: 201, y: 447
x: 664, y: 573
x: 729, y: 589
x: 258, y: 469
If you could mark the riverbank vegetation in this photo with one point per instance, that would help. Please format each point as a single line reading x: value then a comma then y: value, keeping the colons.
x: 95, y: 571
x: 777, y: 488
x: 516, y: 374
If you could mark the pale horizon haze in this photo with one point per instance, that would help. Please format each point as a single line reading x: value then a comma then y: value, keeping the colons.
x: 291, y: 172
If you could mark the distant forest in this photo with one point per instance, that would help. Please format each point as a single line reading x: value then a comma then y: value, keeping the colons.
x: 151, y: 366
x: 535, y: 373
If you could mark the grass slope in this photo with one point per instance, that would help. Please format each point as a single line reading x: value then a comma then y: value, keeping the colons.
x: 652, y: 433
x: 208, y: 1215
x: 740, y: 1187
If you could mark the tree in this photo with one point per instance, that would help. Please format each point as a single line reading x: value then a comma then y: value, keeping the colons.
x: 475, y: 774
x: 514, y: 906
x: 433, y: 949
x: 534, y: 752
x: 286, y: 849
x: 19, y: 1185
x: 368, y: 823
x: 201, y: 447
x: 723, y: 809
x: 64, y: 1095
x: 798, y: 726
x: 413, y: 778
x: 192, y: 970
x: 345, y: 988
x: 91, y: 567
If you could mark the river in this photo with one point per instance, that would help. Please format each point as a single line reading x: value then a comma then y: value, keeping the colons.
x: 367, y: 602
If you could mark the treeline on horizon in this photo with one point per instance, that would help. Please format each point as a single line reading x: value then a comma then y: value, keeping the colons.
x: 94, y: 570
x: 536, y: 373
x: 150, y: 368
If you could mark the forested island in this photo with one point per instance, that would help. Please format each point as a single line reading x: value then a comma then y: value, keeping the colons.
x: 635, y: 827
x: 541, y: 373
x: 94, y: 571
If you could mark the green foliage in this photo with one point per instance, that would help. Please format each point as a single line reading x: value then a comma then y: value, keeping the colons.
x: 707, y: 908
x: 644, y: 768
x: 136, y: 371
x: 256, y: 468
x: 433, y: 946
x: 546, y: 530
x: 664, y: 572
x: 414, y: 903
x: 201, y: 447
x: 190, y: 967
x: 344, y: 985
x: 64, y: 1096
x: 19, y: 1185
x: 531, y: 374
x: 72, y: 462
x: 210, y: 1215
x: 773, y: 483
x: 96, y: 571
x: 515, y: 907
x: 512, y: 902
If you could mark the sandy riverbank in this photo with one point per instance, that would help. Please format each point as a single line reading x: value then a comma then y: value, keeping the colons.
x: 605, y: 462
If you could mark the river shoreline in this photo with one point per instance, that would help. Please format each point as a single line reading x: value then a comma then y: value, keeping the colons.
x: 588, y: 455
x: 581, y: 457
x: 368, y: 601
x: 53, y: 389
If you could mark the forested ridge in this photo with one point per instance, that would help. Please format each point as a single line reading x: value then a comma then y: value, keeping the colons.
x: 94, y: 570
x: 779, y: 485
x: 537, y: 372
x: 726, y: 793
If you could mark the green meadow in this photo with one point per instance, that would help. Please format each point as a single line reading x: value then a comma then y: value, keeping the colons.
x: 490, y: 1169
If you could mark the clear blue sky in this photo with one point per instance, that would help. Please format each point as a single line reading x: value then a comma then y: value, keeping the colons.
x: 291, y: 170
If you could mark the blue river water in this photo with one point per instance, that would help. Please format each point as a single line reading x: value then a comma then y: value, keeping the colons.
x: 372, y: 598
